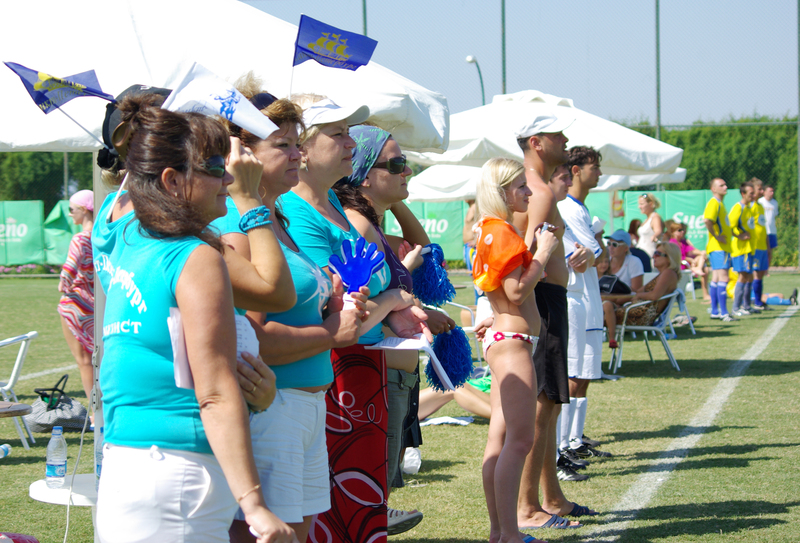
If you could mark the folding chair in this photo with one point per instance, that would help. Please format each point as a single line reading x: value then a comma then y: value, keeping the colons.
x: 658, y: 328
x: 682, y: 310
x: 7, y: 388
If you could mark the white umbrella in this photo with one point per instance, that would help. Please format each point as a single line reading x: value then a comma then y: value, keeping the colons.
x: 447, y: 183
x: 479, y: 134
x: 155, y: 42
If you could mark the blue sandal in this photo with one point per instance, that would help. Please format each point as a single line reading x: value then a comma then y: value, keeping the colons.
x: 555, y: 522
x: 580, y: 511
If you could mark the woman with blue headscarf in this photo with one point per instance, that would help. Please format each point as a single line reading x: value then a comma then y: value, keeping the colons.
x: 378, y: 184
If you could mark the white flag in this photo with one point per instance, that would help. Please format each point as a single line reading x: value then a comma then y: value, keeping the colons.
x: 201, y: 91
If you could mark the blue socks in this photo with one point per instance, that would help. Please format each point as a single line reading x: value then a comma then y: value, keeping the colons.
x: 758, y: 291
x: 738, y: 293
x: 722, y: 297
x: 712, y: 291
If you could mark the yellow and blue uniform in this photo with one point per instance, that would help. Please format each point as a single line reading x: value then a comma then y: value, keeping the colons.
x: 741, y: 221
x: 758, y: 243
x: 718, y: 253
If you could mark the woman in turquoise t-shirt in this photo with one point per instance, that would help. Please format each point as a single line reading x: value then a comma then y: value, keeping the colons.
x: 356, y: 401
x: 170, y: 450
x: 289, y: 437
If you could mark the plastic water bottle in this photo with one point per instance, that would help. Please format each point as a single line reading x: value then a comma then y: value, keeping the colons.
x: 56, y: 459
x: 5, y: 450
x: 98, y: 456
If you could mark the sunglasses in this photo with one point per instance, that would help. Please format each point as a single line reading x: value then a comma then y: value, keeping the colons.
x: 72, y: 210
x: 658, y: 253
x: 395, y: 164
x: 614, y: 244
x: 215, y: 166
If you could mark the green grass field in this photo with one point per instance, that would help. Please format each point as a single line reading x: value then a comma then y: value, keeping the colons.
x: 738, y: 482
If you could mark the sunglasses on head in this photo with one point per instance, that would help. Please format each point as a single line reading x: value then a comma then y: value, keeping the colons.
x: 215, y: 166
x: 396, y: 164
x: 262, y: 100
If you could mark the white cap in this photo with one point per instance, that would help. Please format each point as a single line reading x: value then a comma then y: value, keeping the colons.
x: 598, y: 225
x: 327, y: 111
x: 546, y: 123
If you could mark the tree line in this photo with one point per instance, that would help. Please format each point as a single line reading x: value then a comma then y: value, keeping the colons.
x: 735, y: 153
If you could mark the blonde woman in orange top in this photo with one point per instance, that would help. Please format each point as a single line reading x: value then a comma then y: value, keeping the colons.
x: 506, y: 270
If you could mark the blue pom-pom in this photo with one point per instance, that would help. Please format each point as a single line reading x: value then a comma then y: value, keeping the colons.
x: 455, y: 354
x: 431, y: 284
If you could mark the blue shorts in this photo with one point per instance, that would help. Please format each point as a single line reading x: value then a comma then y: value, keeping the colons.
x: 772, y: 239
x: 760, y: 260
x: 743, y: 263
x: 719, y: 260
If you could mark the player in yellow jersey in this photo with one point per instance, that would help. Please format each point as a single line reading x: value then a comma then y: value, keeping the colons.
x: 718, y: 249
x: 742, y: 226
x: 759, y: 243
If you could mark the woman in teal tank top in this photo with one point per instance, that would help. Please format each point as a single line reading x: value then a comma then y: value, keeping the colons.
x: 289, y: 437
x: 176, y: 450
x: 356, y: 401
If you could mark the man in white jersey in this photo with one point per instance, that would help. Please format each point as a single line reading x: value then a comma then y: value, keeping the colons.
x: 771, y: 211
x: 585, y: 312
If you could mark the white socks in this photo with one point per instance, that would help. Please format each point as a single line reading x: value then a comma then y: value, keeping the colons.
x: 565, y: 423
x: 578, y: 421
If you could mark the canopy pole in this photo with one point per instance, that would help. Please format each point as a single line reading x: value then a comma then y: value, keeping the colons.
x: 658, y: 74
x: 503, y: 39
x: 66, y: 177
x: 798, y: 129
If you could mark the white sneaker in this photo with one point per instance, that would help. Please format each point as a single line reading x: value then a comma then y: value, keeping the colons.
x: 727, y: 318
x: 741, y: 312
x: 401, y: 521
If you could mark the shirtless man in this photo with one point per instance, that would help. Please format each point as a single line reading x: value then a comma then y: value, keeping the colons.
x: 544, y: 147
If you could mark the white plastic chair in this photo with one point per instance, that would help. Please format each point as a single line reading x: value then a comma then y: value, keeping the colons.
x: 7, y: 388
x: 659, y: 327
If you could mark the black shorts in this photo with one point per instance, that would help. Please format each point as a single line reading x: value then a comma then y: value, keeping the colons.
x: 550, y: 357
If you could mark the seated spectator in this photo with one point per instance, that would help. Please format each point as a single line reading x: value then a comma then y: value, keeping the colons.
x: 633, y: 228
x: 668, y: 263
x: 644, y: 257
x: 622, y: 263
x: 695, y: 258
x: 602, y: 264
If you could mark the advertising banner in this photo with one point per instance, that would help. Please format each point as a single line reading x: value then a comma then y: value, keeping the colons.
x: 443, y: 222
x: 21, y: 232
x: 58, y: 231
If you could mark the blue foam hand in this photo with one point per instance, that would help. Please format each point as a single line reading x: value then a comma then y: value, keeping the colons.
x: 357, y: 268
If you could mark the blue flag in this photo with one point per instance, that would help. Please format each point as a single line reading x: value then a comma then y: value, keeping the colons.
x: 330, y: 46
x: 51, y: 92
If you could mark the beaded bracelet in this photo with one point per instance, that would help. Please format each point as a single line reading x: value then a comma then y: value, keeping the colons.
x: 256, y: 217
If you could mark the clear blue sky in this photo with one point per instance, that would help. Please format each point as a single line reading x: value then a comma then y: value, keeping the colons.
x: 718, y: 58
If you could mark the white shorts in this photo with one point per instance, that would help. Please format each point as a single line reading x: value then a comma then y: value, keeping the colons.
x: 292, y: 455
x: 162, y: 495
x: 584, y: 355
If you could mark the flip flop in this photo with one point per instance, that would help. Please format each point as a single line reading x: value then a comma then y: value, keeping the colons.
x: 530, y: 539
x: 555, y: 522
x: 581, y: 510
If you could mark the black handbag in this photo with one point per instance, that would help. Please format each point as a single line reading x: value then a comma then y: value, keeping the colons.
x: 611, y: 284
x: 54, y: 408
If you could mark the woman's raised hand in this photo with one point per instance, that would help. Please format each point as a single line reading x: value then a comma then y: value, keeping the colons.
x: 257, y: 381
x: 246, y: 170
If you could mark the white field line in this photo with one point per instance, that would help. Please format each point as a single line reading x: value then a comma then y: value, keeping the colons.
x: 642, y: 491
x: 47, y: 372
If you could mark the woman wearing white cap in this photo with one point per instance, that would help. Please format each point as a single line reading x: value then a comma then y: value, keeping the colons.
x: 357, y: 401
x: 76, y: 306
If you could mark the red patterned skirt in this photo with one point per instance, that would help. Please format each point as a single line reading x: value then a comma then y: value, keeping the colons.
x: 356, y: 434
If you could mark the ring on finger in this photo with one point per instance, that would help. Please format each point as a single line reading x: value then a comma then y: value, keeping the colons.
x: 259, y: 380
x: 254, y: 389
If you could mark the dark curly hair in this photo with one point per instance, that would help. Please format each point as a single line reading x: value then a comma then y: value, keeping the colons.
x: 579, y: 156
x: 351, y: 198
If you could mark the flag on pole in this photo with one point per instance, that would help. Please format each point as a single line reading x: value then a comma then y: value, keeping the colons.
x: 330, y: 46
x: 51, y: 92
x: 201, y: 91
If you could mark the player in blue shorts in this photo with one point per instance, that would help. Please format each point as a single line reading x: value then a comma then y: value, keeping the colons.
x: 760, y: 248
x: 718, y: 250
x: 742, y: 226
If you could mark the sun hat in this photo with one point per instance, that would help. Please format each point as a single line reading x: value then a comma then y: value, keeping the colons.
x: 621, y: 235
x: 369, y: 144
x: 83, y: 198
x: 327, y: 111
x: 545, y: 123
